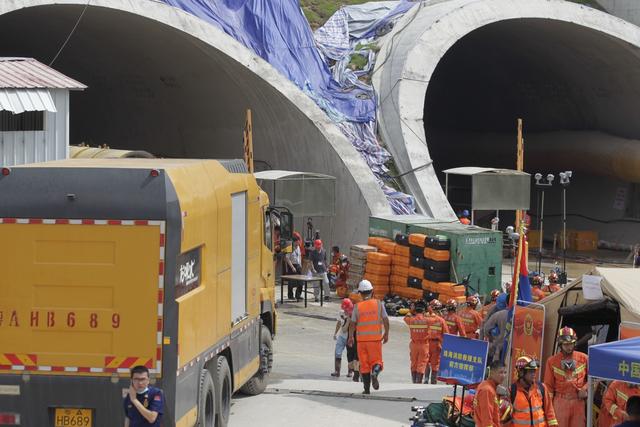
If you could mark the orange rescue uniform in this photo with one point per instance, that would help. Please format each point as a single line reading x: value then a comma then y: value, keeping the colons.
x: 537, y: 293
x: 551, y: 288
x: 419, y: 345
x: 486, y: 411
x: 472, y: 320
x: 529, y: 409
x: 564, y: 386
x: 437, y: 329
x: 455, y: 325
x: 368, y: 318
x: 614, y: 403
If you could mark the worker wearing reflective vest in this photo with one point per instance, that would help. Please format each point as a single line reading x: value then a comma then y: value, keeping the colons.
x: 486, y: 403
x: 419, y: 345
x: 454, y: 322
x: 614, y: 403
x: 367, y: 321
x: 532, y: 404
x: 566, y: 378
x: 484, y: 312
x: 437, y: 329
x: 471, y: 318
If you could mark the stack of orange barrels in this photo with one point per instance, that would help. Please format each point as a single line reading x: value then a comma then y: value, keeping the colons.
x: 400, y: 266
x: 378, y: 267
x: 437, y: 258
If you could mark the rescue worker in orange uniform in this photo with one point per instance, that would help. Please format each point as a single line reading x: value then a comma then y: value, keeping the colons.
x: 486, y: 403
x: 614, y: 403
x: 532, y: 405
x: 484, y: 312
x: 536, y: 288
x: 437, y: 329
x: 454, y: 322
x: 566, y: 378
x: 419, y: 345
x: 471, y: 317
x: 553, y: 285
x: 367, y: 321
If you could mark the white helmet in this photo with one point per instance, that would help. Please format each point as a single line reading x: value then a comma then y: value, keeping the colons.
x: 365, y: 286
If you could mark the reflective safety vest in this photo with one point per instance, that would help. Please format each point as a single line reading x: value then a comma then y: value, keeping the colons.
x: 471, y: 320
x: 437, y: 327
x: 528, y: 408
x: 454, y: 323
x: 369, y: 320
x: 418, y: 327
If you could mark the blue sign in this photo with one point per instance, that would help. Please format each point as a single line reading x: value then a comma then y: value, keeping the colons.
x: 462, y: 360
x: 617, y: 360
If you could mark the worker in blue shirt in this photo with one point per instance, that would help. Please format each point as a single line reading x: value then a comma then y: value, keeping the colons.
x: 143, y: 405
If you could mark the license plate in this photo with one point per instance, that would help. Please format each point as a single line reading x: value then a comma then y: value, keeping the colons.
x: 73, y: 417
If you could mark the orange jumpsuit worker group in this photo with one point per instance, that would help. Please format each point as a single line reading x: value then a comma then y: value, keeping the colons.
x: 454, y: 322
x: 614, y: 403
x: 486, y: 403
x: 484, y: 312
x: 471, y: 318
x: 437, y: 329
x: 566, y: 378
x: 419, y: 345
x: 532, y: 405
x: 367, y: 321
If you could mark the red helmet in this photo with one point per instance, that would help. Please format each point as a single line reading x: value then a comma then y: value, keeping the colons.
x: 451, y: 305
x: 525, y: 363
x: 537, y: 280
x: 495, y: 294
x: 435, y: 304
x: 553, y: 277
x: 317, y: 243
x: 568, y: 335
x: 473, y: 301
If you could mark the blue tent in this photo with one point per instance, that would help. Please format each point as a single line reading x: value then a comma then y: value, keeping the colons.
x: 617, y: 360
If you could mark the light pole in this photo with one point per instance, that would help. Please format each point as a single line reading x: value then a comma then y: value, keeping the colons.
x: 541, y: 184
x: 513, y: 236
x: 565, y: 178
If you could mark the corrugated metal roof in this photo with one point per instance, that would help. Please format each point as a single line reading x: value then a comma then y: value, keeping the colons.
x: 473, y: 170
x: 274, y: 175
x: 20, y: 100
x: 27, y: 73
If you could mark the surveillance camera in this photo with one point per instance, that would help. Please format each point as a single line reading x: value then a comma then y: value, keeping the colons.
x: 569, y: 173
x: 509, y: 229
x: 550, y: 178
x: 538, y: 176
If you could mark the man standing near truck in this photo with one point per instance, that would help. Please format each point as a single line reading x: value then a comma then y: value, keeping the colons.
x: 143, y: 405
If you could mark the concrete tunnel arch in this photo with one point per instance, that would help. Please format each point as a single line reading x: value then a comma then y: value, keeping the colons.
x: 164, y: 81
x: 454, y: 75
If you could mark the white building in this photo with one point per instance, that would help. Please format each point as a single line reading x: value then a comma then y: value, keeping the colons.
x: 34, y: 112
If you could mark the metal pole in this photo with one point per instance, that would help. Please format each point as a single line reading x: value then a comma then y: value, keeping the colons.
x: 472, y: 217
x: 446, y: 186
x: 538, y: 212
x: 564, y: 228
x: 541, y: 230
x: 589, y: 402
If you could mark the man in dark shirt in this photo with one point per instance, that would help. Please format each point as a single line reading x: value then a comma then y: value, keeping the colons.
x: 318, y: 259
x: 143, y: 406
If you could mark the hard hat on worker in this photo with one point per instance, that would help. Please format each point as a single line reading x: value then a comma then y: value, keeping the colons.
x: 365, y: 286
x: 435, y: 304
x: 317, y: 243
x: 495, y: 294
x: 465, y: 213
x: 473, y: 301
x: 567, y: 335
x: 419, y: 306
x: 347, y: 305
x: 451, y: 305
x: 525, y: 363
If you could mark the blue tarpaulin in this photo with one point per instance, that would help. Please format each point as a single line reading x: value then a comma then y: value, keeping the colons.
x: 618, y: 360
x: 462, y: 360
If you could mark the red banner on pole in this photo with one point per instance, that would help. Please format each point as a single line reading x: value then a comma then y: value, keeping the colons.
x: 527, y: 339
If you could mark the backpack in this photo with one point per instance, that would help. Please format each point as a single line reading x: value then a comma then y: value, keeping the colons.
x: 514, y: 390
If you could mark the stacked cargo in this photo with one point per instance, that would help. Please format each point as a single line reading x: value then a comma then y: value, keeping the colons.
x: 378, y: 272
x: 358, y: 264
x: 437, y: 266
x: 404, y: 282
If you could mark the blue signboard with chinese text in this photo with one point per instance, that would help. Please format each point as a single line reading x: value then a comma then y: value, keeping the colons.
x: 617, y: 360
x: 462, y: 360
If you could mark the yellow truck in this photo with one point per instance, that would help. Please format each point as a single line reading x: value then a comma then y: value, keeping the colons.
x: 110, y: 263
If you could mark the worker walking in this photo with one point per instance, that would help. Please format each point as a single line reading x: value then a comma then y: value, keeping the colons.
x: 536, y: 288
x: 532, y: 405
x: 437, y: 329
x: 367, y: 321
x: 419, y: 345
x: 566, y: 378
x: 486, y: 404
x: 471, y: 318
x: 614, y: 403
x: 454, y: 323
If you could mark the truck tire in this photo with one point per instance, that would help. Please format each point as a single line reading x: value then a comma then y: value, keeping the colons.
x: 224, y: 390
x: 258, y: 383
x: 206, y: 401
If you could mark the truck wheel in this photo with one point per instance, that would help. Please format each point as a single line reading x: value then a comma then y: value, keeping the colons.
x: 206, y: 401
x: 224, y: 390
x: 258, y: 383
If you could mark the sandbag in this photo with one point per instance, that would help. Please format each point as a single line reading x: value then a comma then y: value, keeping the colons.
x: 417, y: 239
x: 402, y: 251
x: 379, y: 258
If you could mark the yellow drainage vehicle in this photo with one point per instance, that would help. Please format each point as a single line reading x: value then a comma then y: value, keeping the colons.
x: 110, y: 263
